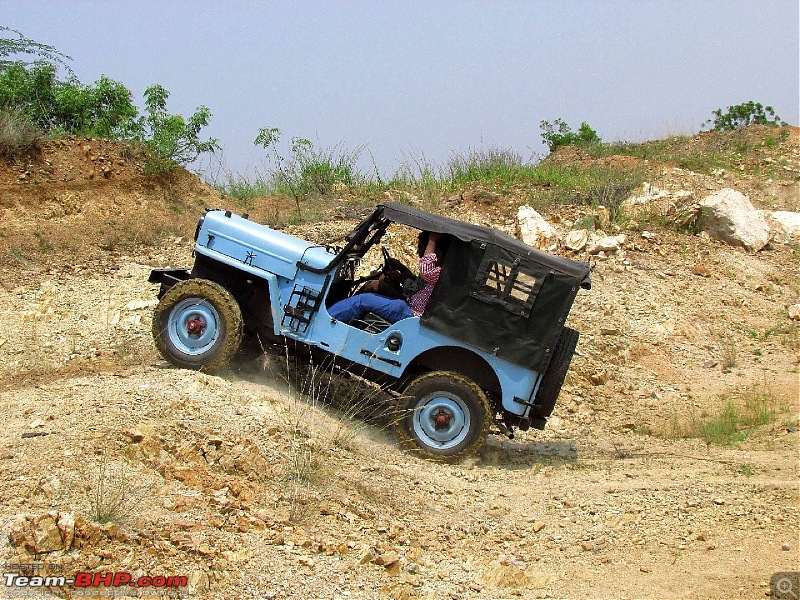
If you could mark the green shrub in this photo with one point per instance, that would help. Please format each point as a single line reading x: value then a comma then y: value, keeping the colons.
x: 558, y: 133
x: 742, y: 115
x: 30, y: 91
x: 170, y: 139
x: 56, y: 107
x: 36, y: 99
x: 104, y: 110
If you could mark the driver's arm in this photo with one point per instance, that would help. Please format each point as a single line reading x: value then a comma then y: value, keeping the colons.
x: 429, y: 268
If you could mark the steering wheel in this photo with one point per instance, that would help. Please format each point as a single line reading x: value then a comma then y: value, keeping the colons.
x: 392, y: 264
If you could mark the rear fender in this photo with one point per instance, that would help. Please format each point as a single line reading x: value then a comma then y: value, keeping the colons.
x: 459, y: 360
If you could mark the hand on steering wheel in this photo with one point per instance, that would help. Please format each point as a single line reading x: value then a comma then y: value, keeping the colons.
x: 394, y: 268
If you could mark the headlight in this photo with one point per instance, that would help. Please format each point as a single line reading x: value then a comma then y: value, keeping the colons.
x: 199, y: 225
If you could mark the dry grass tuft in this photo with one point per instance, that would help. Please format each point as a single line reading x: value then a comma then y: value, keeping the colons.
x: 115, y: 493
x: 19, y: 137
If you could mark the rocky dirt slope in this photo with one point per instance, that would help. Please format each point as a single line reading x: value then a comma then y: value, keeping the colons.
x: 252, y: 490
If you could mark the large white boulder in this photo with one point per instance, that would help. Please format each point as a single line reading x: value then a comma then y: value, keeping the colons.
x: 785, y: 225
x: 534, y: 230
x: 728, y: 215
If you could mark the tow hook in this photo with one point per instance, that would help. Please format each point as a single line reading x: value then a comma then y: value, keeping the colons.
x: 505, y: 430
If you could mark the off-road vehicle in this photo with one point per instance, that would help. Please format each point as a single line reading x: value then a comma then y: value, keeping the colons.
x: 490, y: 348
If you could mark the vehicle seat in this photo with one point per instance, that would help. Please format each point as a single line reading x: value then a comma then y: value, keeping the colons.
x: 371, y: 323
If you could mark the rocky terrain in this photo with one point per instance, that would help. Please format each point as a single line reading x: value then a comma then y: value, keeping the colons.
x: 274, y: 479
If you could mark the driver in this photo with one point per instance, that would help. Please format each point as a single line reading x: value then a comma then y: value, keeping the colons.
x: 395, y: 309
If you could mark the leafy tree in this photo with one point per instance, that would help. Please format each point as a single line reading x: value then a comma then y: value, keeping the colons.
x: 13, y: 43
x: 742, y: 115
x: 558, y: 133
x: 170, y: 139
x: 104, y: 109
x: 30, y: 92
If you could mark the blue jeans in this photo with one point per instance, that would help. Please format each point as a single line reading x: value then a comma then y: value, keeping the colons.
x: 355, y: 307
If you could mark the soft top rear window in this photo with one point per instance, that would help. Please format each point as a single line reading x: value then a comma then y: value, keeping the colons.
x: 506, y: 284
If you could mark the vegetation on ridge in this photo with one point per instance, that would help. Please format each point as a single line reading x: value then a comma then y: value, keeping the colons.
x: 36, y: 103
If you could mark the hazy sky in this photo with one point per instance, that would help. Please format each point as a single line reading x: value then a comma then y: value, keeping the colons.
x: 406, y: 79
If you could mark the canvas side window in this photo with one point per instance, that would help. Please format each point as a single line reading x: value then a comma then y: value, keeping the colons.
x: 498, y: 282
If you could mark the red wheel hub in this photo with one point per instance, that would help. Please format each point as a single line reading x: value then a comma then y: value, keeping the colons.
x: 441, y: 420
x: 195, y: 326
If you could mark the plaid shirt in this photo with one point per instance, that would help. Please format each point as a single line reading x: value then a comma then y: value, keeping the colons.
x: 429, y: 270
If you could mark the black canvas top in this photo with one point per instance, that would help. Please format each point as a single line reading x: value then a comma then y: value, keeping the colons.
x: 468, y: 232
x: 495, y: 292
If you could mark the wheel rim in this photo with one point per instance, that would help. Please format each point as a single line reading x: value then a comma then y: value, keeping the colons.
x: 441, y: 420
x: 193, y: 326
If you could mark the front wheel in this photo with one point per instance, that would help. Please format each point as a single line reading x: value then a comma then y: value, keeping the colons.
x: 197, y: 325
x: 444, y: 416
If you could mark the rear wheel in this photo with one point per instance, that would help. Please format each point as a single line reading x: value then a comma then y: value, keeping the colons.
x: 444, y: 416
x: 197, y: 325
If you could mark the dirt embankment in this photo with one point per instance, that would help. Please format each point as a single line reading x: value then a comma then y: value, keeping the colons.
x: 249, y: 490
x: 85, y: 199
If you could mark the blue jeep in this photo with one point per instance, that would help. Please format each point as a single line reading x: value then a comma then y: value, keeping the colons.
x: 490, y: 348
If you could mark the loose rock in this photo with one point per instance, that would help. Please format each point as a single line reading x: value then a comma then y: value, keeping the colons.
x: 534, y: 230
x: 729, y: 216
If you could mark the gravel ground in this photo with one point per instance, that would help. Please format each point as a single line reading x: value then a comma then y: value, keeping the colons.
x: 112, y: 461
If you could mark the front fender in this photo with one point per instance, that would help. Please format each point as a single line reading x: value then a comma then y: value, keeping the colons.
x: 167, y: 278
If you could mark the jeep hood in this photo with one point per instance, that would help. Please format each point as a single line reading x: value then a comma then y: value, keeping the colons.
x: 223, y: 235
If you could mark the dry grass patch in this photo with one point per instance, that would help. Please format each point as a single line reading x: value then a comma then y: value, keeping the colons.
x: 325, y: 412
x: 19, y: 137
x: 736, y: 418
